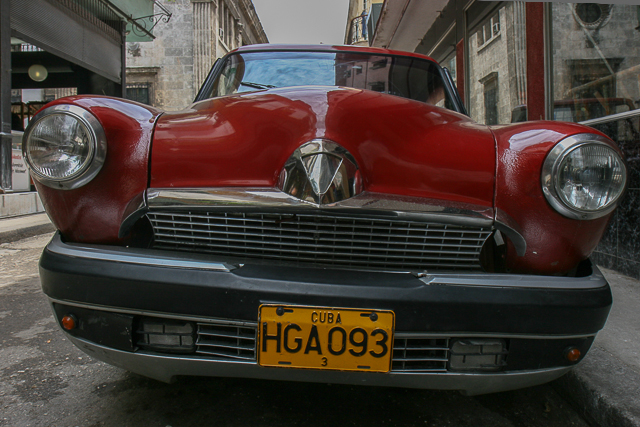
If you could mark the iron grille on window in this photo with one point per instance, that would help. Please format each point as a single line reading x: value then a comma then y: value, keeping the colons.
x: 139, y: 92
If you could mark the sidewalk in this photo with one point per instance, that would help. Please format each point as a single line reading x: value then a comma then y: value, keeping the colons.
x: 605, y: 386
x: 20, y: 227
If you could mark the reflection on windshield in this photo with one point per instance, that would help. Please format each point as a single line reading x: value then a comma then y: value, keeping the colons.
x: 407, y: 77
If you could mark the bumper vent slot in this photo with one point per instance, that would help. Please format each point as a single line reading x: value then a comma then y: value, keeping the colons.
x: 410, y: 354
x: 236, y: 341
x: 171, y: 336
x: 306, y: 239
x: 420, y: 354
x: 227, y: 341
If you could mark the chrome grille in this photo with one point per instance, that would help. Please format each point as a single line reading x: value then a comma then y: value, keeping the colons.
x: 317, y: 239
x: 410, y: 354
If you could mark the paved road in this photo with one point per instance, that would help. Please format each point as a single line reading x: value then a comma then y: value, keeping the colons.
x: 45, y: 381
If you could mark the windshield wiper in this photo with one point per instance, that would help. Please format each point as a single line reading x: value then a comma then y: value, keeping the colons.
x: 257, y: 85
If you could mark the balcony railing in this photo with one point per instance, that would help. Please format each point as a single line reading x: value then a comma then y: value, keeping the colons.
x: 358, y: 30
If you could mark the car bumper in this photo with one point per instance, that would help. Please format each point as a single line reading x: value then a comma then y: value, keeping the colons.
x: 165, y: 368
x: 110, y: 289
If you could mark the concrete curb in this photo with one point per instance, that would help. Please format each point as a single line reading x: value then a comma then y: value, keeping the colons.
x: 603, y: 389
x: 14, y: 204
x: 13, y: 229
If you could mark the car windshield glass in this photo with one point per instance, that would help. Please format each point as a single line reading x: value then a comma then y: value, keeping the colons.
x: 408, y: 77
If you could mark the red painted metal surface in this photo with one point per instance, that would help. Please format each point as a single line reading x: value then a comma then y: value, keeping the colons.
x: 403, y: 147
x: 329, y: 48
x: 93, y: 213
x: 555, y: 244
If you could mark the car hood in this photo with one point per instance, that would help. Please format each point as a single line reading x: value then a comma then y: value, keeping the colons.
x: 401, y: 147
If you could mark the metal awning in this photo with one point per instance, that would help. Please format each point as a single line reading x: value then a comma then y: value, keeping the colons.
x: 86, y: 32
x: 61, y: 28
x: 397, y: 29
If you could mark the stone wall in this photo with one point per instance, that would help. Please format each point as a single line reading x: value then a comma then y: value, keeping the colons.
x: 175, y: 64
x: 502, y: 59
x: 172, y: 55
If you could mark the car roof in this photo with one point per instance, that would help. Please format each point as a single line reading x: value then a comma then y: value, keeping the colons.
x: 328, y: 48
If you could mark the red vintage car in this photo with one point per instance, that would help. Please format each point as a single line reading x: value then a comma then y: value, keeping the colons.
x: 329, y: 214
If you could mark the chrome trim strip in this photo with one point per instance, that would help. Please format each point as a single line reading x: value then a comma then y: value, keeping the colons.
x: 166, y: 367
x: 251, y: 324
x: 149, y: 257
x: 273, y: 198
x: 611, y: 118
x: 423, y: 335
x: 595, y: 281
x: 197, y: 319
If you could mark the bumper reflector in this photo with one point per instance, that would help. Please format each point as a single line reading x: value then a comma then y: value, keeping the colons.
x: 69, y: 322
x: 573, y: 354
x: 166, y: 335
x: 476, y: 354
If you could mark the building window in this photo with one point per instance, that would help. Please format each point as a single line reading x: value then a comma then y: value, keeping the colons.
x: 221, y: 21
x: 592, y: 15
x: 227, y: 28
x: 489, y: 31
x: 16, y: 95
x: 491, y: 99
x: 139, y: 92
x: 382, y: 63
x: 378, y: 86
x: 59, y: 92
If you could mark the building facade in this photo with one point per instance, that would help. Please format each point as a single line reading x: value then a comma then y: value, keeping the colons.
x: 496, y: 65
x: 517, y: 61
x: 168, y: 71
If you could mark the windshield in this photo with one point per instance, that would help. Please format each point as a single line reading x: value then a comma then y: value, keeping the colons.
x: 408, y: 77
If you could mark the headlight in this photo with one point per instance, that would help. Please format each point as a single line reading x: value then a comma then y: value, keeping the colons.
x: 64, y: 146
x: 583, y: 177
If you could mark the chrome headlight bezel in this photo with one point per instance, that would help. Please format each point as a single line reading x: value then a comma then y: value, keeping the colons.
x: 97, y: 149
x: 550, y: 176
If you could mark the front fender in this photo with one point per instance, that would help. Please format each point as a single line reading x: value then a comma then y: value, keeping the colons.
x: 555, y: 244
x: 93, y: 213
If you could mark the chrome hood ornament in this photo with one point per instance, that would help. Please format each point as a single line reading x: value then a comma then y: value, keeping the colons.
x: 321, y: 172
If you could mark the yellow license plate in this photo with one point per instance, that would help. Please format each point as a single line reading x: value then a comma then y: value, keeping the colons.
x: 342, y: 339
